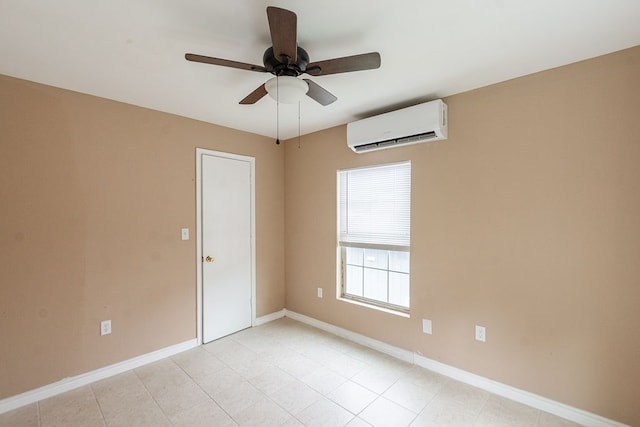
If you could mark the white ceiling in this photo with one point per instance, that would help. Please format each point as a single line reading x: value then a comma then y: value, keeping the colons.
x: 133, y: 50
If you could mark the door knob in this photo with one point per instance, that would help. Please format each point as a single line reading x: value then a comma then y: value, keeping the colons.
x: 209, y: 259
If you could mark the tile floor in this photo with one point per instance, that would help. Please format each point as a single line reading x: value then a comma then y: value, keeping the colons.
x: 283, y: 373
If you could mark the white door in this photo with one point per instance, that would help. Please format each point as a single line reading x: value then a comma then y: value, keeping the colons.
x: 227, y: 253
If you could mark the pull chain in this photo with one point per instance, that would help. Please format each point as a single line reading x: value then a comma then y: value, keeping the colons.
x: 298, y: 124
x: 277, y: 112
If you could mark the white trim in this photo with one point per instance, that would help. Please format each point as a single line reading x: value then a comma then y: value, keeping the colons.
x: 373, y: 306
x: 252, y: 161
x: 199, y: 245
x: 269, y: 317
x: 64, y: 385
x: 560, y: 409
x: 380, y: 346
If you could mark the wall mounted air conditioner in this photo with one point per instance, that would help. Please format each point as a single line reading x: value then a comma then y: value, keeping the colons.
x: 412, y: 125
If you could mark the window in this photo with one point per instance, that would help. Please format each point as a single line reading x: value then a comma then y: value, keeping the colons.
x: 374, y: 212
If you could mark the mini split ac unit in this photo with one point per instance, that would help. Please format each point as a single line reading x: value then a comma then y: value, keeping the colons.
x: 412, y: 125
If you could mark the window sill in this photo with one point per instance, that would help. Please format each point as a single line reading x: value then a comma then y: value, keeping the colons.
x: 374, y: 307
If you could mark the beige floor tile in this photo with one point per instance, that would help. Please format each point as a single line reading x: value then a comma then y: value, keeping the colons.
x: 301, y: 343
x: 156, y: 368
x: 321, y: 353
x: 324, y: 413
x: 368, y: 355
x: 264, y: 412
x: 295, y: 397
x: 499, y: 411
x: 292, y: 422
x: 258, y: 341
x: 342, y: 345
x: 346, y: 365
x: 282, y: 373
x: 445, y: 413
x: 275, y: 325
x: 392, y: 365
x: 129, y: 405
x: 140, y: 414
x: 219, y: 381
x: 384, y: 412
x: 239, y: 357
x: 472, y: 398
x: 358, y: 422
x: 125, y: 381
x: 75, y: 407
x: 298, y: 365
x: 204, y: 414
x: 198, y: 363
x: 409, y: 395
x: 550, y: 420
x: 175, y: 398
x: 120, y: 390
x: 26, y: 416
x: 249, y: 333
x: 376, y: 379
x: 276, y: 353
x: 324, y: 380
x: 237, y: 397
x: 254, y: 368
x: 162, y: 374
x: 426, y: 379
x: 353, y: 397
x: 223, y: 345
x: 170, y: 386
x: 271, y: 380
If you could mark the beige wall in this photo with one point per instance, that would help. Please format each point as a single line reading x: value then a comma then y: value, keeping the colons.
x: 93, y: 194
x: 526, y: 221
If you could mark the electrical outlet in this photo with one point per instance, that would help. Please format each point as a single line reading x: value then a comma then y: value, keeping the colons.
x: 481, y: 333
x: 105, y: 327
x: 426, y: 326
x: 319, y: 292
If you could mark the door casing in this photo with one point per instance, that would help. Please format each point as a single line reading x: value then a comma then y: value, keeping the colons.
x: 199, y: 153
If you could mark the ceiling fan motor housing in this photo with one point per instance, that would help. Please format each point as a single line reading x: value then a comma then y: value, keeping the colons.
x: 282, y: 66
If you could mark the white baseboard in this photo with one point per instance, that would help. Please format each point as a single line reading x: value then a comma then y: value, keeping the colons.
x: 269, y: 317
x: 62, y: 386
x: 380, y: 346
x: 565, y: 411
x: 67, y: 384
x: 560, y: 409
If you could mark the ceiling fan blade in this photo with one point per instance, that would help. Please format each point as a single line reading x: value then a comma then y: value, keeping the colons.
x: 365, y: 61
x: 319, y: 94
x: 224, y: 62
x: 283, y: 25
x: 255, y: 96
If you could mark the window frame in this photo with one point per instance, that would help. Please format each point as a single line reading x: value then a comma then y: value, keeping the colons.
x: 342, y: 258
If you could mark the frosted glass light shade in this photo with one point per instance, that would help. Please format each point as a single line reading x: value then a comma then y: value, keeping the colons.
x: 291, y: 89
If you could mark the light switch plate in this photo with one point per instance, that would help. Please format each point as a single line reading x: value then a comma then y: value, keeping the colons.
x: 185, y: 234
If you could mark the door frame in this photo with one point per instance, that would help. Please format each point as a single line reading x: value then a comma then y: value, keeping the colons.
x: 252, y: 162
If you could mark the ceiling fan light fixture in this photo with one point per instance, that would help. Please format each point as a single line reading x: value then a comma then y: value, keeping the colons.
x: 291, y: 89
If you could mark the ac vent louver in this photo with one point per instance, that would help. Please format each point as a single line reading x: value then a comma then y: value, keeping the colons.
x: 413, y: 139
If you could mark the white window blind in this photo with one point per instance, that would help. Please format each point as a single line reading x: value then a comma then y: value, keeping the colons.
x: 375, y: 205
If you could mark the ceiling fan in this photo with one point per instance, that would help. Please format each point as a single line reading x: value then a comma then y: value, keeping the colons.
x: 286, y: 60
